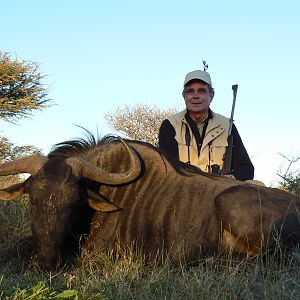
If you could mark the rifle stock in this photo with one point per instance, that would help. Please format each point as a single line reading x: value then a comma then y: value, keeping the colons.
x: 228, y: 157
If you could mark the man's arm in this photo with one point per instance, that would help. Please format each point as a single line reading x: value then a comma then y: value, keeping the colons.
x: 166, y: 139
x: 242, y: 166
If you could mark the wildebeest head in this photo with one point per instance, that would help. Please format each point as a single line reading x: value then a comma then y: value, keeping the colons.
x: 60, y: 207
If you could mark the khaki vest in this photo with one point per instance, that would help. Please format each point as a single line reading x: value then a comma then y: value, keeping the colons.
x: 214, y: 143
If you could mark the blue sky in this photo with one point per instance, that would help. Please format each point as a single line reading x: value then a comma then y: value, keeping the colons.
x: 101, y: 56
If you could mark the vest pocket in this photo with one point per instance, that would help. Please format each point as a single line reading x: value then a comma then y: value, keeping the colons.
x: 187, y: 153
x: 183, y: 152
x: 217, y: 154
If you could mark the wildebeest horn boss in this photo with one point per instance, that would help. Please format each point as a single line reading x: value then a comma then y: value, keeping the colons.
x: 128, y: 192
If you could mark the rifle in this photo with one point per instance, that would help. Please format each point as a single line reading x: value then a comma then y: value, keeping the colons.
x: 228, y: 155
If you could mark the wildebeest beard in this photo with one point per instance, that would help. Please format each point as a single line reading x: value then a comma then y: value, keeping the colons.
x: 59, y: 218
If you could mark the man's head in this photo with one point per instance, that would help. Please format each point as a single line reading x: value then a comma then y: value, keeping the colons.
x: 197, y: 93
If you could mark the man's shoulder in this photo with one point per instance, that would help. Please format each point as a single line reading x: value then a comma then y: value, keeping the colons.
x: 177, y: 117
x: 219, y: 117
x: 219, y: 120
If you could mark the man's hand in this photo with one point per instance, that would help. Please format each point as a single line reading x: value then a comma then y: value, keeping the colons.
x: 229, y: 176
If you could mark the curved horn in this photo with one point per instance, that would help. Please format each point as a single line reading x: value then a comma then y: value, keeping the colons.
x: 85, y: 169
x: 30, y: 164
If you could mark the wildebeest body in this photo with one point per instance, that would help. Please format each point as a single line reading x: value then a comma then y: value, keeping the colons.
x: 186, y: 215
x: 163, y: 206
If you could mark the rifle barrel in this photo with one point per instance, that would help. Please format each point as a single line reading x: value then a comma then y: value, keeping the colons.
x: 234, y: 88
x: 228, y: 153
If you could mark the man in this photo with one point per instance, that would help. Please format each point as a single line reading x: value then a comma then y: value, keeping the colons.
x: 198, y: 136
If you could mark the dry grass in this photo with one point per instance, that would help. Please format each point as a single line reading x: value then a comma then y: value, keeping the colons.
x: 125, y: 275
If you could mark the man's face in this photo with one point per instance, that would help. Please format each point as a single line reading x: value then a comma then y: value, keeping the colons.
x: 196, y: 97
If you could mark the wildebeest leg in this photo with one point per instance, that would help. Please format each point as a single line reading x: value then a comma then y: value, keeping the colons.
x: 254, y: 219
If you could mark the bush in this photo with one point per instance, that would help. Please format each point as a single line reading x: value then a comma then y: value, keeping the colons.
x: 290, y: 178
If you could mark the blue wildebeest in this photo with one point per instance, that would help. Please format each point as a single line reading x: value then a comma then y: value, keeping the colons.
x: 128, y: 192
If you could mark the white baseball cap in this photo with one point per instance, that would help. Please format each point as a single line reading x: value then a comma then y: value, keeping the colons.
x: 197, y: 74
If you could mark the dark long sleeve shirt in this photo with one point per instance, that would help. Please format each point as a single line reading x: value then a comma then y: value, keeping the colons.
x: 242, y: 167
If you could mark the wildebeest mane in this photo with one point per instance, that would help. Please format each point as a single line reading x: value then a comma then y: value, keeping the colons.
x: 80, y: 145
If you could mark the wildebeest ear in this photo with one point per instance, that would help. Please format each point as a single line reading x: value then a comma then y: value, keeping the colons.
x: 100, y: 203
x: 12, y: 192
